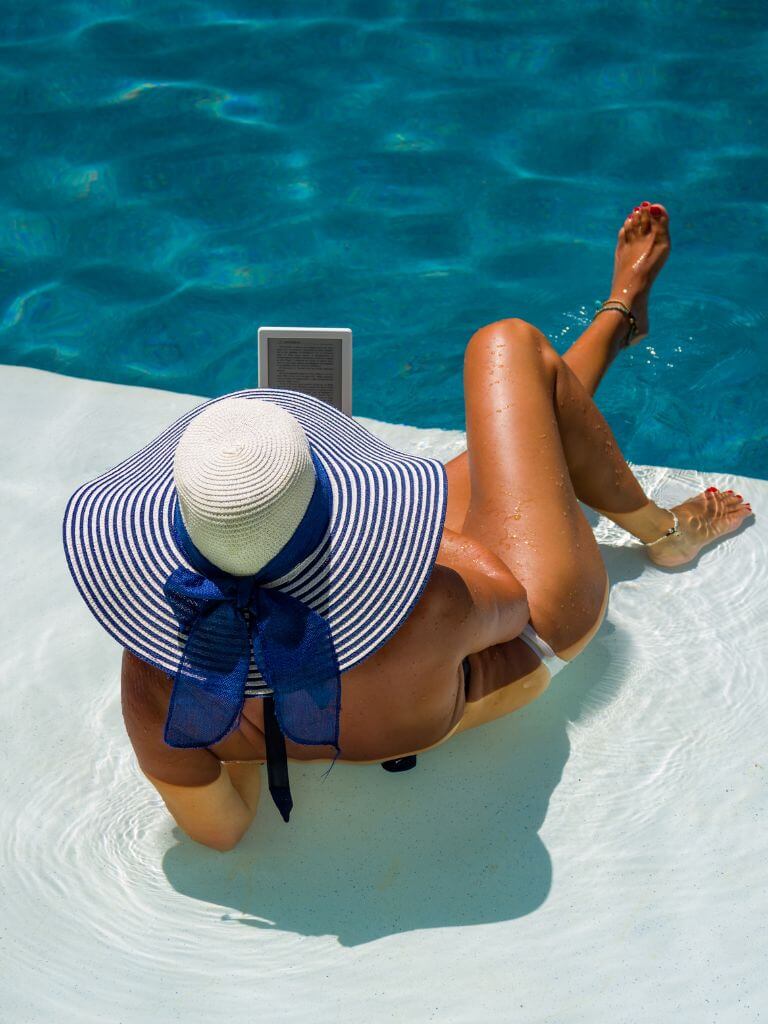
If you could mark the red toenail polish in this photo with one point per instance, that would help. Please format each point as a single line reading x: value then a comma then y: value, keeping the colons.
x: 645, y: 204
x: 636, y: 209
x: 655, y: 211
x: 739, y: 497
x: 711, y: 490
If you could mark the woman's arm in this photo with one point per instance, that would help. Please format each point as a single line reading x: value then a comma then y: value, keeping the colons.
x: 246, y: 778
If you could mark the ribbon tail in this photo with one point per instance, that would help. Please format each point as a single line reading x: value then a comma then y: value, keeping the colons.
x: 293, y: 649
x: 277, y: 761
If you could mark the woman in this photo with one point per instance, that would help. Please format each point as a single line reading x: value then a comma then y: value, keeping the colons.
x: 518, y: 588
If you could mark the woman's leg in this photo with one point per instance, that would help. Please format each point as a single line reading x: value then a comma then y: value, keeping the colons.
x: 522, y: 501
x: 575, y: 418
x: 641, y: 250
x: 536, y: 444
x: 599, y: 473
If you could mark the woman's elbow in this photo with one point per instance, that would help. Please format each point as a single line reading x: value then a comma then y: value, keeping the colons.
x: 219, y: 845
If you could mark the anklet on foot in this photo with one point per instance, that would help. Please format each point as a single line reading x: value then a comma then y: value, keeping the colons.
x: 619, y: 306
x: 673, y: 531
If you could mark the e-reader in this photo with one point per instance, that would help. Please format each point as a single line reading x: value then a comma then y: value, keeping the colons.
x: 314, y: 360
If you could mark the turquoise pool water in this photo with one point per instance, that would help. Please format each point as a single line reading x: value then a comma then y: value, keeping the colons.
x: 175, y: 174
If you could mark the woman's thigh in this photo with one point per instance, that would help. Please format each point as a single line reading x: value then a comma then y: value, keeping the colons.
x: 512, y: 490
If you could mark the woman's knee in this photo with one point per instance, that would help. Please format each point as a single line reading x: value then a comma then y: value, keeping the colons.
x: 568, y: 611
x: 511, y: 331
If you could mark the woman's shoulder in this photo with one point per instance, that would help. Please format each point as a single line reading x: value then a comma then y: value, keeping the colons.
x: 143, y: 686
x: 145, y: 693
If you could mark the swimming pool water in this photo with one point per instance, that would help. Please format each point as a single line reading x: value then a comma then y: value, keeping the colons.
x: 173, y: 175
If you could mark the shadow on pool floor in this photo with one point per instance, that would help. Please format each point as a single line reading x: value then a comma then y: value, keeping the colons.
x: 454, y: 842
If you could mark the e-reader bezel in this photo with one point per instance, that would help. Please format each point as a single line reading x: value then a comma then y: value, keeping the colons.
x: 342, y: 334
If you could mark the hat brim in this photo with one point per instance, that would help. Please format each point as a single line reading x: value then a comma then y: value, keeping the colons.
x: 365, y: 577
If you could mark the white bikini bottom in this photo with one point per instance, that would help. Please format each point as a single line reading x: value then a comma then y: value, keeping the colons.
x: 542, y: 648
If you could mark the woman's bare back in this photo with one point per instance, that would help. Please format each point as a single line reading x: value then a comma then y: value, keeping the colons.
x: 406, y: 697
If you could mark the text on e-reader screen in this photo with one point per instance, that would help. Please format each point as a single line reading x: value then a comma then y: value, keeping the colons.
x: 307, y: 365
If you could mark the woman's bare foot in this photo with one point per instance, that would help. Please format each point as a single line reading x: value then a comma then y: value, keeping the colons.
x: 702, y: 519
x: 642, y: 249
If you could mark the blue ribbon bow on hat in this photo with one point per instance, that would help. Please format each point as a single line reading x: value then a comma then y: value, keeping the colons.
x: 226, y: 617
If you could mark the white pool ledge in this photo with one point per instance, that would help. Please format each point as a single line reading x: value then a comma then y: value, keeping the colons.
x: 598, y: 857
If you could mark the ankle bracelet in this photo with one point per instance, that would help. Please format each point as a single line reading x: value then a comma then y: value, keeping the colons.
x: 673, y: 531
x: 619, y: 306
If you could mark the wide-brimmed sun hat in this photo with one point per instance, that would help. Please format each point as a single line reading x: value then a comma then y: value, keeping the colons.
x: 260, y: 546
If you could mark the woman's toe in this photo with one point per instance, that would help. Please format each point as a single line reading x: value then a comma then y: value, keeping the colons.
x: 736, y: 515
x: 659, y: 216
x: 733, y: 500
x: 645, y: 218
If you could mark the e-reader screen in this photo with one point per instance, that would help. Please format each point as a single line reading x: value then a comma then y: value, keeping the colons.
x: 309, y: 365
x: 314, y: 360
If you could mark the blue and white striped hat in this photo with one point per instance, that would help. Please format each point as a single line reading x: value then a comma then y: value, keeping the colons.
x: 248, y: 567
